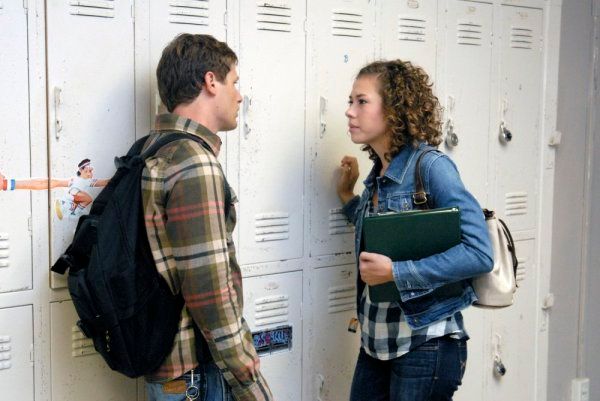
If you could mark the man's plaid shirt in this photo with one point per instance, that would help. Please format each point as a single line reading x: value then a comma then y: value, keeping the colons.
x: 184, y: 207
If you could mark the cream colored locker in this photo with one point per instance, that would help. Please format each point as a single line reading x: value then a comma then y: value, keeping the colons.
x: 272, y: 307
x: 333, y: 348
x: 466, y: 94
x: 170, y: 18
x: 408, y: 32
x: 91, y: 99
x: 518, y: 123
x: 15, y: 158
x: 515, y: 336
x: 477, y: 323
x: 342, y: 42
x: 271, y: 167
x: 78, y: 372
x: 16, y: 352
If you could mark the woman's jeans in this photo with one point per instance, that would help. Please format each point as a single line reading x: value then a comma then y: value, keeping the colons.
x: 208, y: 380
x: 431, y: 372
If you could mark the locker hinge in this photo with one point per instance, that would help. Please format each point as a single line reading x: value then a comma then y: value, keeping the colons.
x: 305, y: 25
x: 132, y: 12
x: 31, y: 354
x: 30, y: 225
x: 225, y: 19
x: 26, y: 5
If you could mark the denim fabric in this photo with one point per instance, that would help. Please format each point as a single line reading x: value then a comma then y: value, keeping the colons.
x: 437, y: 286
x: 207, y: 377
x: 431, y: 372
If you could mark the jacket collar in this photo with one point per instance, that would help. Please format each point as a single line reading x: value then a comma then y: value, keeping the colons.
x: 398, y: 167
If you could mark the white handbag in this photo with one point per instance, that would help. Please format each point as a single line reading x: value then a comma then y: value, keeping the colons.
x: 497, y: 288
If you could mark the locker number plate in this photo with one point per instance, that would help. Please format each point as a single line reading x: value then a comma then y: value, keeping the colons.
x: 268, y: 341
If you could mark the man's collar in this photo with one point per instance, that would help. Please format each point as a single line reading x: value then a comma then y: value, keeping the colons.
x: 174, y: 122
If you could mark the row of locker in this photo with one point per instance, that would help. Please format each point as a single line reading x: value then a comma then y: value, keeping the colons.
x: 485, y: 59
x: 274, y: 303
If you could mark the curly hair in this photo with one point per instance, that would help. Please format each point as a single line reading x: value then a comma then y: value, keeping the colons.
x: 412, y: 112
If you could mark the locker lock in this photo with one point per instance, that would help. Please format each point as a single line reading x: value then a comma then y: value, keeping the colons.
x: 505, y: 134
x: 499, y: 368
x: 451, y: 137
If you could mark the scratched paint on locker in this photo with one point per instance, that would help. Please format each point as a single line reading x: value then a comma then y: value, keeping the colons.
x: 91, y: 95
x: 15, y: 155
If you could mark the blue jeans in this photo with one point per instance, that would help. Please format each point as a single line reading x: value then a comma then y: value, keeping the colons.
x: 211, y: 386
x: 431, y: 372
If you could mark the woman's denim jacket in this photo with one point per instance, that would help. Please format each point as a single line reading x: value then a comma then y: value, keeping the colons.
x: 437, y: 286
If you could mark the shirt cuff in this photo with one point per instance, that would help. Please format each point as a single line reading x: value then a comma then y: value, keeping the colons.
x: 349, y: 209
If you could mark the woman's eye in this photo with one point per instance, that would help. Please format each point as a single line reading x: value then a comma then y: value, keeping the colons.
x: 362, y: 101
x: 350, y: 102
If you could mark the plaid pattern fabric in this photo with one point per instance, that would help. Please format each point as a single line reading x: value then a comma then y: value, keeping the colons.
x: 385, y: 334
x: 191, y: 242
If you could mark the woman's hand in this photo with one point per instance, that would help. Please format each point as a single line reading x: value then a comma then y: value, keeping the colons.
x: 375, y: 268
x: 348, y: 175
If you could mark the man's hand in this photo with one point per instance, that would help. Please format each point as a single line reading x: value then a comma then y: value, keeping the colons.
x: 375, y: 268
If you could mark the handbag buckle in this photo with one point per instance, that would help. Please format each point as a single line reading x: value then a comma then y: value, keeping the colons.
x: 419, y: 198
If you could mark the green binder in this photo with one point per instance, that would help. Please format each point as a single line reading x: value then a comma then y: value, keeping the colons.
x: 410, y: 235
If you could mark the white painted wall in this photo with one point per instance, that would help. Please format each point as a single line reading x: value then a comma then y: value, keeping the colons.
x: 591, y: 348
x: 572, y: 281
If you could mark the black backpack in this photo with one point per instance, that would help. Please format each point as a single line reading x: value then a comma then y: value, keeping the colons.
x: 123, y: 303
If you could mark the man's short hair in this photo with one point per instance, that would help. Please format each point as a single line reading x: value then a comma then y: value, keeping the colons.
x: 184, y: 63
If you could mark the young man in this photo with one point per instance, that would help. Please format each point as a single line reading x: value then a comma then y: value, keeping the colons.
x: 189, y: 226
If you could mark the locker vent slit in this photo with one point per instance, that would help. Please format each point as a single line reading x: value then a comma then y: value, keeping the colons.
x: 274, y: 18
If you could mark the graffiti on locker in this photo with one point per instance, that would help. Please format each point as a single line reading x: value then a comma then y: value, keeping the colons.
x: 77, y: 195
x: 271, y: 340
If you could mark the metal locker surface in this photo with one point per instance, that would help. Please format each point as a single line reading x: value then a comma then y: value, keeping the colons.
x: 15, y: 160
x: 16, y: 353
x: 342, y: 41
x: 333, y: 348
x: 514, y: 335
x: 409, y: 32
x: 77, y: 370
x: 91, y: 102
x: 170, y: 18
x: 517, y: 127
x: 477, y: 323
x: 466, y: 93
x: 272, y: 307
x: 271, y: 132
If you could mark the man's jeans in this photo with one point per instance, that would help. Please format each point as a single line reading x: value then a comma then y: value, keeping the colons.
x: 432, y: 372
x: 210, y: 384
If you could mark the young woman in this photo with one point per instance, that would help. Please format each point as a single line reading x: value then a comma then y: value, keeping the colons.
x: 413, y: 349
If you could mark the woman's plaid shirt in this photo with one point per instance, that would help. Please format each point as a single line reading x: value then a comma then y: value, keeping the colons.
x: 183, y: 195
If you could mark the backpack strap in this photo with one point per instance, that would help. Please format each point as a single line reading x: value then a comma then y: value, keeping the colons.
x: 420, y: 198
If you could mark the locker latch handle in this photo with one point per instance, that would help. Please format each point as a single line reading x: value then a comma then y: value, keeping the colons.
x: 246, y: 109
x: 322, y: 113
x: 451, y: 136
x: 57, y: 121
x: 505, y: 134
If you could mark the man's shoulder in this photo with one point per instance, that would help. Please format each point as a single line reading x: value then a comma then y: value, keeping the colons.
x: 186, y: 152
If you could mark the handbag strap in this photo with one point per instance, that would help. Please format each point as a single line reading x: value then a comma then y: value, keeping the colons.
x: 420, y: 198
x: 510, y: 246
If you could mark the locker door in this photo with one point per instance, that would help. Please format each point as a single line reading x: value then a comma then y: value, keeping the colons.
x: 477, y: 324
x: 342, y: 42
x: 333, y: 347
x: 15, y: 158
x: 91, y: 100
x: 514, y: 335
x: 170, y: 18
x: 273, y: 311
x: 16, y: 353
x: 272, y: 131
x: 409, y: 32
x: 466, y: 95
x: 78, y: 371
x: 517, y: 171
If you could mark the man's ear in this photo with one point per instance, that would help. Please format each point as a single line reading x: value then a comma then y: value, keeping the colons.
x: 210, y: 82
